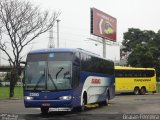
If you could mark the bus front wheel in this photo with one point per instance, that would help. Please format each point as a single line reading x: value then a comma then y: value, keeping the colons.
x: 83, y: 105
x: 136, y: 91
x: 44, y: 111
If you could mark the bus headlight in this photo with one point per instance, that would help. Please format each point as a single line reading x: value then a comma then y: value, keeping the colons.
x: 28, y: 98
x: 65, y: 97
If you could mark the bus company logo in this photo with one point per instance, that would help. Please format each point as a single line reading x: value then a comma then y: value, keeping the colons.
x: 96, y: 81
x: 142, y: 80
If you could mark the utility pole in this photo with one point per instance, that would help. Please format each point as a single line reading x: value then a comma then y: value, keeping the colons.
x: 104, y: 48
x: 51, y: 39
x: 104, y: 42
x: 58, y: 32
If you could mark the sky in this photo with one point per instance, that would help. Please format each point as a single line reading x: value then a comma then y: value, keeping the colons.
x: 74, y: 25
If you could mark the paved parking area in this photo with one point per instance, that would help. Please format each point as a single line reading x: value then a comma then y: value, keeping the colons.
x: 119, y: 108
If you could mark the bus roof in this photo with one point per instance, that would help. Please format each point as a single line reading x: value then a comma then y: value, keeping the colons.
x: 131, y: 68
x: 65, y: 50
x: 52, y: 50
x: 62, y: 50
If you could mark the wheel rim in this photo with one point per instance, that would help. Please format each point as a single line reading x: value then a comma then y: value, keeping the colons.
x: 143, y: 91
x: 107, y: 100
x: 83, y: 105
x: 136, y: 91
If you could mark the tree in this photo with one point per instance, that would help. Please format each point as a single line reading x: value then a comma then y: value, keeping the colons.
x: 136, y: 36
x: 143, y: 47
x: 21, y: 24
x: 7, y: 77
x: 143, y: 56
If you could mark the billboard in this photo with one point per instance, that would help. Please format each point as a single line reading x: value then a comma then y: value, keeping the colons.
x: 103, y: 25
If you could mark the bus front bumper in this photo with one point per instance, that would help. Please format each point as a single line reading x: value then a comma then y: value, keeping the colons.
x: 48, y: 103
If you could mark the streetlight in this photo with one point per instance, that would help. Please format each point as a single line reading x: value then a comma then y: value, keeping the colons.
x: 58, y: 32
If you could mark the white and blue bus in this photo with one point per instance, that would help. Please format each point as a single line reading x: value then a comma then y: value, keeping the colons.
x: 67, y: 79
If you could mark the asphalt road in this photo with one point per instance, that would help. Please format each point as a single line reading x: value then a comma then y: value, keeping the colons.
x: 124, y: 106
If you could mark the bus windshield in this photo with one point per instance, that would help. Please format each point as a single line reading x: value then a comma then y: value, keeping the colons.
x: 48, y: 75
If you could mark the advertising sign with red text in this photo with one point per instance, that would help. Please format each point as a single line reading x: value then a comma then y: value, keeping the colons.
x: 103, y: 25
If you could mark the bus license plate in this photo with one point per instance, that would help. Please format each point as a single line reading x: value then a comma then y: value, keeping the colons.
x: 45, y: 104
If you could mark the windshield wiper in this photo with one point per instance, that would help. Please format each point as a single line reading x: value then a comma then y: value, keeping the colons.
x: 49, y: 75
x: 40, y: 79
x: 59, y: 72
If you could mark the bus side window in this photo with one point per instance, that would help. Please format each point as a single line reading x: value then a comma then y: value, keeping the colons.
x: 135, y: 73
x: 140, y: 73
x: 150, y: 73
x: 125, y: 74
x: 76, y: 76
x: 83, y: 61
x: 118, y: 73
x: 130, y: 73
x: 143, y: 74
x: 77, y: 59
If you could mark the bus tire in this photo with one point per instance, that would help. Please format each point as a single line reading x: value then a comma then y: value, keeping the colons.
x: 44, y: 111
x: 136, y: 90
x: 106, y: 100
x: 83, y: 105
x: 154, y: 92
x: 143, y: 91
x: 82, y: 108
